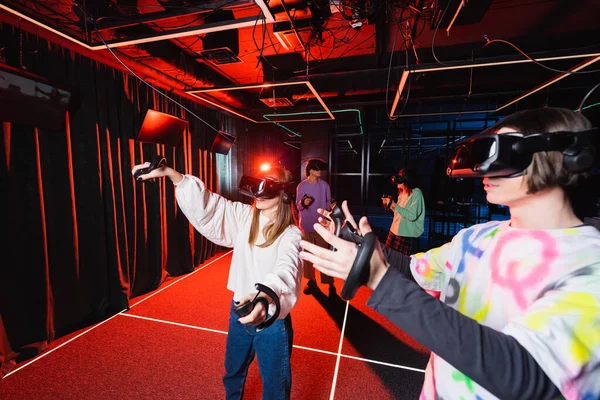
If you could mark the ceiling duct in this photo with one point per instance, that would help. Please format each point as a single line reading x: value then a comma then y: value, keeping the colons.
x: 284, y: 32
x: 270, y: 99
x: 223, y: 47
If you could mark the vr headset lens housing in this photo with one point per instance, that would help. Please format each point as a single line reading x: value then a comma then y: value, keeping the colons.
x: 398, y: 179
x: 265, y: 188
x: 488, y: 155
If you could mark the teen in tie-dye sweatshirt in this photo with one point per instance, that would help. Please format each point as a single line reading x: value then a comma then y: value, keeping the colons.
x: 519, y: 312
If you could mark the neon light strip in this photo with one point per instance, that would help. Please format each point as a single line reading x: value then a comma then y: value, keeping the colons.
x: 497, y: 63
x: 262, y: 86
x: 551, y: 82
x: 401, y: 85
x: 206, y: 28
x: 256, y: 86
x: 313, y: 112
x: 33, y: 21
x: 590, y: 106
x: 284, y: 127
x: 460, y: 6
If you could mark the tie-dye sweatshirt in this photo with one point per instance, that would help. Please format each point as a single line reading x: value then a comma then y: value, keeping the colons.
x: 510, y: 296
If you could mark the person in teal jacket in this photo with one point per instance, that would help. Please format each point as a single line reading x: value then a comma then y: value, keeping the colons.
x: 409, y: 213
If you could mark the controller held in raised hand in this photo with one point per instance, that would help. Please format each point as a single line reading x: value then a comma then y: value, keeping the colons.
x: 359, y: 273
x: 156, y: 162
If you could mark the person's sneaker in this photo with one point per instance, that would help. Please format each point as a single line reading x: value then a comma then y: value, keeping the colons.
x: 310, y: 286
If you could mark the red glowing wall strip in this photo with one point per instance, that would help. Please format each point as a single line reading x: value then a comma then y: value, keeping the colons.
x: 131, y: 146
x: 73, y: 198
x: 123, y: 207
x: 111, y: 177
x: 160, y: 149
x: 49, y: 296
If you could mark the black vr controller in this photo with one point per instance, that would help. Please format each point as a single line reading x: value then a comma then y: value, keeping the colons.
x: 246, y: 308
x: 157, y: 162
x: 359, y: 273
x: 312, y: 199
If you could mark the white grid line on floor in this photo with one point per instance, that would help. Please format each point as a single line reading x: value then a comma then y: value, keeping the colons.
x: 46, y: 353
x: 331, y: 353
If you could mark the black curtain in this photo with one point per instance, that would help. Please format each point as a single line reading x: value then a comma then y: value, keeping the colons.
x: 81, y: 237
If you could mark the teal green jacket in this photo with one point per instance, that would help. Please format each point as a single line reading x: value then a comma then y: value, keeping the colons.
x: 409, y: 221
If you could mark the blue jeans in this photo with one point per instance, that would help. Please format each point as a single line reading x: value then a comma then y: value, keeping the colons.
x: 273, y: 346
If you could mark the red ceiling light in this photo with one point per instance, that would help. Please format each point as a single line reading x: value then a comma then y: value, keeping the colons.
x: 265, y: 167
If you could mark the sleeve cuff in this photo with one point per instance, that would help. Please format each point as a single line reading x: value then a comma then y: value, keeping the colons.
x: 181, y: 181
x: 388, y: 288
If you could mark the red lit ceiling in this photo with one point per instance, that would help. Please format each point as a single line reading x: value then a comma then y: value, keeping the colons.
x: 352, y: 52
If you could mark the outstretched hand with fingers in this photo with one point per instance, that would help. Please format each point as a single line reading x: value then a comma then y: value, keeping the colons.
x: 157, y: 173
x: 339, y: 263
x: 328, y: 224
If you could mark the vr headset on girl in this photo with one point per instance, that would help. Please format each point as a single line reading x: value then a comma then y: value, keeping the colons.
x: 509, y: 154
x: 267, y: 188
x: 264, y: 188
x: 484, y: 155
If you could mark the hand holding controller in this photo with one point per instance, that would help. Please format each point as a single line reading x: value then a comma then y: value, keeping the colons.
x: 387, y: 201
x: 359, y: 273
x: 246, y: 308
x: 156, y: 162
x: 307, y: 200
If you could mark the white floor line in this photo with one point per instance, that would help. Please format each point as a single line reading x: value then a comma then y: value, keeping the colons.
x: 58, y: 347
x: 383, y: 363
x: 331, y: 353
x: 339, y: 353
x: 174, y: 323
x: 179, y: 280
x: 108, y: 319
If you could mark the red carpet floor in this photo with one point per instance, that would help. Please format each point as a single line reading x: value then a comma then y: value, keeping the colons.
x: 171, y: 345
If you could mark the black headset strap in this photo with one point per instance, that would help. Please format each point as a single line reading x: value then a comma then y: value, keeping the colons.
x: 556, y: 141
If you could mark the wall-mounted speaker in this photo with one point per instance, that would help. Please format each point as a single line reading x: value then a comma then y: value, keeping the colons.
x: 222, y: 143
x: 161, y: 128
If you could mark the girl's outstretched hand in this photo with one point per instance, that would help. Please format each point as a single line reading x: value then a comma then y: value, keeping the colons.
x: 157, y: 173
x: 339, y: 263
